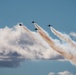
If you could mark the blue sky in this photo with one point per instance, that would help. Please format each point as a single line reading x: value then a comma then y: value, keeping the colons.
x: 60, y: 13
x: 39, y: 68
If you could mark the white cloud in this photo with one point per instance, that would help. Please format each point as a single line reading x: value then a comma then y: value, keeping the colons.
x: 51, y: 73
x: 61, y: 73
x: 16, y: 45
x: 19, y: 43
x: 65, y: 73
x: 73, y: 34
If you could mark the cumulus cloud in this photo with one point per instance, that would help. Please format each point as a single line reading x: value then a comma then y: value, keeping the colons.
x: 19, y: 43
x: 65, y: 73
x: 51, y: 73
x: 61, y: 73
x: 67, y: 49
x: 73, y: 34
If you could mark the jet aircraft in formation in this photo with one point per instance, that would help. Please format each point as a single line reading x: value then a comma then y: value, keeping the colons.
x: 34, y: 22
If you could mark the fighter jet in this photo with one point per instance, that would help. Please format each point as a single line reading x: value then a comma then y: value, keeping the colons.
x: 36, y: 29
x: 20, y: 24
x: 33, y: 22
x: 50, y: 25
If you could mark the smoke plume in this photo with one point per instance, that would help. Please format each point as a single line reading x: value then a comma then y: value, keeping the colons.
x: 66, y: 50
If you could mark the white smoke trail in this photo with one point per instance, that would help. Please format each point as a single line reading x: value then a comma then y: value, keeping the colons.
x: 64, y: 37
x: 63, y: 50
x: 31, y: 34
